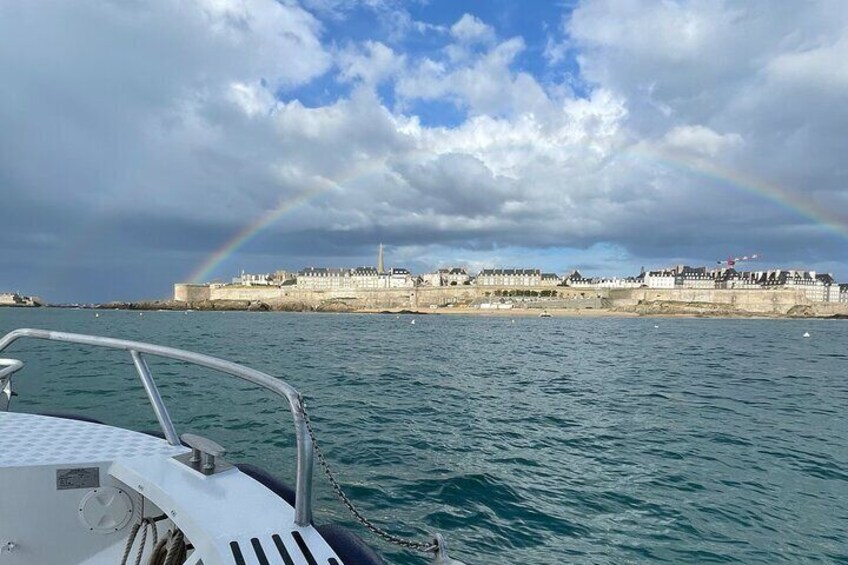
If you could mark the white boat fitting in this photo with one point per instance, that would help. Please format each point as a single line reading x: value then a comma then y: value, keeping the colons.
x: 75, y: 491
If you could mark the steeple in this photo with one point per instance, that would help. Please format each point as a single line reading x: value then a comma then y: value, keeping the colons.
x: 381, y: 267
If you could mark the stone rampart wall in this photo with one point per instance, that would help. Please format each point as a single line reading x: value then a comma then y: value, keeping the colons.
x: 755, y: 301
x: 639, y: 300
x: 419, y: 297
x: 260, y: 293
x: 191, y: 292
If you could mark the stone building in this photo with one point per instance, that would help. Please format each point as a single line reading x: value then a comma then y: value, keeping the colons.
x: 247, y: 279
x: 321, y: 278
x: 730, y: 278
x: 659, y: 279
x: 577, y: 280
x: 365, y: 277
x: 432, y: 279
x: 283, y: 278
x: 693, y: 277
x: 509, y: 277
x: 10, y: 299
x: 399, y: 278
x: 814, y: 288
x: 455, y: 276
x: 550, y: 279
x: 616, y: 282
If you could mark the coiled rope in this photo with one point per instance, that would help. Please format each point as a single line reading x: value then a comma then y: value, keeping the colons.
x: 170, y: 550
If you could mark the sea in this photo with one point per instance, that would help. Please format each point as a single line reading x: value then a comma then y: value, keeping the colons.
x: 525, y: 440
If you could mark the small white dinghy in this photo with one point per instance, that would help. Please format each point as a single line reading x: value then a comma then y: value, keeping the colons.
x: 75, y: 491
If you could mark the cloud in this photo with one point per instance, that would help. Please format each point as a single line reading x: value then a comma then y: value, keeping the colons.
x: 371, y: 63
x: 822, y: 66
x: 470, y: 29
x: 481, y: 83
x: 700, y: 140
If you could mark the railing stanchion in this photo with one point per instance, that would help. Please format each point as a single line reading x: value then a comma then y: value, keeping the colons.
x: 155, y: 399
x: 303, y: 484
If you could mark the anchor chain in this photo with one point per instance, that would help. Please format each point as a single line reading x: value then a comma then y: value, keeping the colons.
x: 424, y: 547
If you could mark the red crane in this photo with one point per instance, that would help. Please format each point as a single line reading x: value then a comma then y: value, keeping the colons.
x: 731, y: 261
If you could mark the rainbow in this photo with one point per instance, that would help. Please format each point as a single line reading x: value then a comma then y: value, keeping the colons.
x: 355, y: 173
x: 828, y: 218
x: 205, y: 269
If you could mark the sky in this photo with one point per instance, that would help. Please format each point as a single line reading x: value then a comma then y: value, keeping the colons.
x: 144, y: 143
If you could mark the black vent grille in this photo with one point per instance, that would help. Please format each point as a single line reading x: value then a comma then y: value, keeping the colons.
x: 259, y: 551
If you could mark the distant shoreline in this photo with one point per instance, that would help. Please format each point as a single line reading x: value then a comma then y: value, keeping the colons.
x: 588, y: 313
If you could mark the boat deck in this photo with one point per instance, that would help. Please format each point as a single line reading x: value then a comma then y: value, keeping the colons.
x: 50, y: 467
x: 30, y: 440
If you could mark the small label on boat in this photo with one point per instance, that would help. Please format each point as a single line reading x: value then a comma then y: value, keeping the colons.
x: 82, y: 477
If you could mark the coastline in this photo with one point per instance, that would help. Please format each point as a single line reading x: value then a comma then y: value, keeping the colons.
x: 639, y: 311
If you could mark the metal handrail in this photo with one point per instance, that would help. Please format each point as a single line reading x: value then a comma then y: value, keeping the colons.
x: 303, y: 486
x: 9, y: 366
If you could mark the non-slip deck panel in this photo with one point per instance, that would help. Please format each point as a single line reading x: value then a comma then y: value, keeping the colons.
x: 30, y: 439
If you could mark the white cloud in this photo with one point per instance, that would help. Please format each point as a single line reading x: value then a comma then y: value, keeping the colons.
x: 822, y: 66
x: 483, y: 83
x: 701, y: 141
x: 253, y: 99
x: 371, y: 63
x: 470, y: 29
x: 282, y: 39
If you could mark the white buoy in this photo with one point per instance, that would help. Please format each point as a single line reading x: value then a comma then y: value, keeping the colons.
x: 656, y: 327
x: 141, y: 313
x: 97, y: 315
x: 806, y: 334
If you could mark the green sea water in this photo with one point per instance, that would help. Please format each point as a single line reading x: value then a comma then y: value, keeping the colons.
x: 538, y: 441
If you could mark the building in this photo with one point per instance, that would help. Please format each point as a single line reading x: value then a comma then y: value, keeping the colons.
x: 282, y: 278
x: 17, y: 299
x: 550, y: 279
x: 615, y: 282
x: 843, y: 293
x: 730, y: 278
x: 432, y: 279
x: 831, y: 287
x: 693, y: 277
x: 509, y: 277
x: 456, y: 276
x: 815, y: 288
x: 577, y: 280
x: 365, y: 277
x: 321, y: 278
x: 11, y: 299
x: 659, y: 279
x: 399, y: 278
x: 247, y: 279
